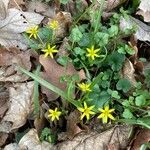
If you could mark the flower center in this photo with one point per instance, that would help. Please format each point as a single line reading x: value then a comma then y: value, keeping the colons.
x: 86, y: 111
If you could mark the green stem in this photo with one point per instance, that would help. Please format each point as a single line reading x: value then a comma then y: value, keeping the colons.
x: 99, y: 16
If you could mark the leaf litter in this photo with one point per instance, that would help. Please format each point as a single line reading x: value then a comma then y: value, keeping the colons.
x: 17, y: 103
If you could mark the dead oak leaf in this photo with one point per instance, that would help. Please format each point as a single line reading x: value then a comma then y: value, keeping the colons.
x: 9, y: 60
x: 15, y: 23
x: 117, y: 136
x: 53, y: 73
x: 20, y: 106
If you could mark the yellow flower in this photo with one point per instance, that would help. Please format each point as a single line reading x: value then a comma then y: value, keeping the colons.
x: 84, y: 87
x: 92, y: 53
x: 86, y: 111
x: 54, y: 114
x: 33, y: 32
x: 54, y: 24
x: 49, y: 51
x: 106, y: 113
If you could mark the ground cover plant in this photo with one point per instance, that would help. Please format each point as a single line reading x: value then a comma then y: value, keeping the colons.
x: 87, y: 70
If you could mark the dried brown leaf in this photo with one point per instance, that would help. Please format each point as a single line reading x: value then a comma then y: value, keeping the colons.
x: 128, y: 72
x: 117, y: 136
x: 144, y: 10
x: 141, y: 138
x: 3, y: 9
x: 3, y: 138
x: 53, y: 72
x: 16, y: 3
x: 4, y: 96
x: 143, y: 30
x: 31, y: 141
x: 9, y: 60
x: 72, y: 124
x: 40, y: 7
x: 20, y: 106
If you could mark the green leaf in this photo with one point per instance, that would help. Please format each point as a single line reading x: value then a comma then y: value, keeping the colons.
x: 63, y: 60
x: 45, y: 34
x: 145, y: 146
x: 116, y: 60
x: 76, y: 34
x: 64, y: 1
x: 124, y: 85
x: 98, y: 98
x: 85, y: 40
x: 127, y: 114
x: 115, y: 94
x: 101, y: 38
x: 79, y: 51
x: 140, y: 100
x: 113, y: 30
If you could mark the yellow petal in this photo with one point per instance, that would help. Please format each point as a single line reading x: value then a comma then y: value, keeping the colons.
x: 51, y: 111
x: 111, y: 117
x: 106, y: 108
x: 85, y: 105
x: 101, y: 110
x: 53, y: 118
x: 91, y: 107
x: 51, y: 55
x: 82, y: 116
x: 91, y: 112
x: 105, y: 119
x: 87, y: 116
x: 80, y: 109
x: 96, y: 50
x: 56, y: 109
x: 111, y: 110
x: 101, y: 116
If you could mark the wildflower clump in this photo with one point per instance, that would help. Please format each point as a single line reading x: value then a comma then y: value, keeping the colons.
x: 54, y: 114
x: 86, y: 111
x: 106, y: 113
x: 49, y: 51
x: 33, y: 32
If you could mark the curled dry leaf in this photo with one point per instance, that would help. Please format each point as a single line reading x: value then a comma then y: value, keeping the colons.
x: 144, y: 10
x: 117, y: 136
x: 128, y: 72
x: 3, y: 9
x: 15, y: 23
x: 9, y: 59
x: 143, y: 30
x: 20, y: 106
